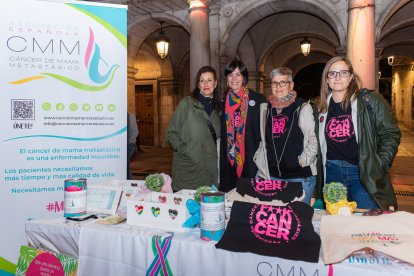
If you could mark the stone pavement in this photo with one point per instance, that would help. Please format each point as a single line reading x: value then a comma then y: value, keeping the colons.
x: 156, y: 160
x: 402, y: 171
x: 152, y: 160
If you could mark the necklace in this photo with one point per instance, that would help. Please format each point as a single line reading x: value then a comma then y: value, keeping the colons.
x: 278, y: 160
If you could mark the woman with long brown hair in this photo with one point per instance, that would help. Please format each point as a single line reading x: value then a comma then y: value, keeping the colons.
x: 358, y: 136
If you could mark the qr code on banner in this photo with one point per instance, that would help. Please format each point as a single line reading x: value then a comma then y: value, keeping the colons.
x: 23, y: 109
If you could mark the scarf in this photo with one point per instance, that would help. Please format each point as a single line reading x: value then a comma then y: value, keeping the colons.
x: 236, y: 134
x: 206, y: 102
x: 281, y: 103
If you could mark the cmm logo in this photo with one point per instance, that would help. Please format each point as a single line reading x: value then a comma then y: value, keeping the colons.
x: 92, y: 61
x: 274, y: 224
x: 267, y: 269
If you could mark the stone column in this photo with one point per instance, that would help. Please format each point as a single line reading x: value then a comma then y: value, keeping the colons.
x: 214, y: 23
x: 199, y: 37
x: 361, y: 39
x: 131, y: 89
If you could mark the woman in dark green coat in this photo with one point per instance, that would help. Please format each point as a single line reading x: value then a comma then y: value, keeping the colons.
x: 358, y: 137
x: 193, y: 133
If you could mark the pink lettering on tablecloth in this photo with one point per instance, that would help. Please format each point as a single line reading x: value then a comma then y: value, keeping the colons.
x: 279, y: 125
x: 340, y: 128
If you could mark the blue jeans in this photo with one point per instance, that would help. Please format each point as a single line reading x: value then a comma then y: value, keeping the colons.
x: 308, y: 184
x: 348, y: 174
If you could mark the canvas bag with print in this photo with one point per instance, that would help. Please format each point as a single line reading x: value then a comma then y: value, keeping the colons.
x: 278, y: 231
x: 391, y: 234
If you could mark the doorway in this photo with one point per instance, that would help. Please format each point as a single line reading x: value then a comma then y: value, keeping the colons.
x: 308, y: 81
x: 145, y: 114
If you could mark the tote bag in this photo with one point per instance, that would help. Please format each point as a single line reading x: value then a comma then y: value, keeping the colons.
x: 391, y: 234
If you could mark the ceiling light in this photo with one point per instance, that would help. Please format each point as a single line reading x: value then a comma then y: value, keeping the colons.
x: 305, y: 45
x: 162, y: 43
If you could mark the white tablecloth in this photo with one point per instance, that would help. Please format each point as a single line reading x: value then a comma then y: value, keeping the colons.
x: 127, y: 250
x: 54, y: 234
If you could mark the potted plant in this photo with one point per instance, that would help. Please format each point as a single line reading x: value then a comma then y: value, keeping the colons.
x: 154, y: 182
x: 335, y: 196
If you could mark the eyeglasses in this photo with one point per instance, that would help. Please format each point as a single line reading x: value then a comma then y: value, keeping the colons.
x: 282, y: 83
x: 342, y: 74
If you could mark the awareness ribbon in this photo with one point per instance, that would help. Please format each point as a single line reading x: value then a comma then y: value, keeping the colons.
x: 160, y: 262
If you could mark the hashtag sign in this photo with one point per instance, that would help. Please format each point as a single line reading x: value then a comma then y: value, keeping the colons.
x: 55, y: 207
x: 50, y: 207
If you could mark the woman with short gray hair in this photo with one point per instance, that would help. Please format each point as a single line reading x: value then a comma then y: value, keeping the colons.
x: 291, y: 144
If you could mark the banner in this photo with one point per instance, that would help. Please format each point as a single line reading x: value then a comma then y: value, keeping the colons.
x: 63, y: 106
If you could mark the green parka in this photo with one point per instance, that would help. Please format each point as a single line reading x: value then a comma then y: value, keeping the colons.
x: 378, y: 137
x: 195, y: 161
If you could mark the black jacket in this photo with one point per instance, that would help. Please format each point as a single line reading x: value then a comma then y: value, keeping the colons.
x: 252, y: 139
x: 379, y: 137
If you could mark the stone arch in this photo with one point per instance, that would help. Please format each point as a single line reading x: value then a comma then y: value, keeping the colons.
x: 143, y: 26
x: 261, y: 9
x: 394, y: 32
x: 149, y: 67
x: 161, y: 74
x: 320, y: 43
x: 387, y: 13
x: 297, y: 62
x: 394, y: 36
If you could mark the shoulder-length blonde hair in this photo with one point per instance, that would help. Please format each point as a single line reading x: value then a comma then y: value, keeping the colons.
x: 353, y: 89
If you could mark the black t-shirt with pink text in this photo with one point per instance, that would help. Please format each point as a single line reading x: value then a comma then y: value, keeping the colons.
x: 340, y: 134
x: 278, y: 231
x: 284, y: 143
x: 268, y: 190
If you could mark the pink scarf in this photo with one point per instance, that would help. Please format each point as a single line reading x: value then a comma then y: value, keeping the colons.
x: 236, y: 132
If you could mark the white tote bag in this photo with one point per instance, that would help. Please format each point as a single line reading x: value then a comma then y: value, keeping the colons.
x: 392, y: 234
